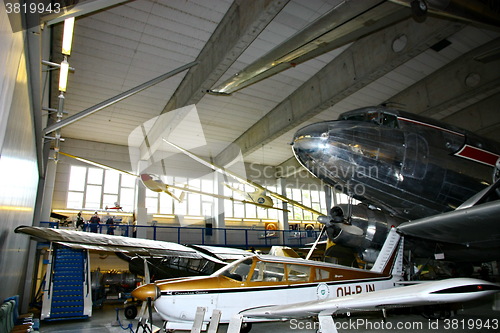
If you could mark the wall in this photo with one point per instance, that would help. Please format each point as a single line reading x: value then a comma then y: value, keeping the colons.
x: 18, y: 161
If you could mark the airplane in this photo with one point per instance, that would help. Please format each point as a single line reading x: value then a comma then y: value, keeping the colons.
x: 155, y: 184
x: 116, y: 206
x: 256, y: 287
x: 402, y: 167
x: 348, y: 22
x: 259, y: 196
x: 453, y: 290
x: 256, y: 198
x: 165, y: 259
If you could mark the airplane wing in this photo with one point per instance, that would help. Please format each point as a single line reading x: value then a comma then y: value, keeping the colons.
x: 474, y: 223
x: 100, y: 165
x: 226, y: 254
x: 100, y: 242
x: 443, y: 291
x: 345, y: 23
x: 475, y: 226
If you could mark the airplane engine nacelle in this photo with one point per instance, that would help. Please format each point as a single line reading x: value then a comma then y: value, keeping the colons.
x: 125, y: 280
x: 368, y: 232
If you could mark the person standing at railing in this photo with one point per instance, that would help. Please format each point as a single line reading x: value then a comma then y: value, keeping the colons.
x: 80, y: 222
x: 94, y: 221
x: 110, y: 224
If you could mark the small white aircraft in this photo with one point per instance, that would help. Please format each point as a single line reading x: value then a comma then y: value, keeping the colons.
x: 263, y: 288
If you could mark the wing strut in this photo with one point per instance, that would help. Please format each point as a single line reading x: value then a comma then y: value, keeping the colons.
x: 326, y: 324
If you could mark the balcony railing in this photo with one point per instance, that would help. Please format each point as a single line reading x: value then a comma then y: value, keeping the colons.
x: 230, y: 237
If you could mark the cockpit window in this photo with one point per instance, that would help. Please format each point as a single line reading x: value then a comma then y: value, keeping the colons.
x: 298, y: 273
x: 374, y: 117
x: 389, y: 120
x: 239, y: 271
x: 268, y: 272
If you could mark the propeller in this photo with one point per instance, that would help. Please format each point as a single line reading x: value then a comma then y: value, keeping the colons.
x: 343, y: 223
x: 148, y: 304
x: 339, y: 221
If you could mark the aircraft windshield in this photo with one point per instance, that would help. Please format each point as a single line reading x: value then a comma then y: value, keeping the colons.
x: 375, y: 117
x: 272, y: 271
x: 238, y: 271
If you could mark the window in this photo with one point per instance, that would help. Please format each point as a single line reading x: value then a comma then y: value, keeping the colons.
x: 321, y: 274
x: 77, y: 179
x: 94, y: 188
x: 310, y: 197
x: 298, y: 273
x: 268, y: 272
x: 239, y: 271
x: 75, y: 200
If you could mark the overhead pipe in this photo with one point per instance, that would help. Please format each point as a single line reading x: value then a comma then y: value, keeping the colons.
x: 116, y: 99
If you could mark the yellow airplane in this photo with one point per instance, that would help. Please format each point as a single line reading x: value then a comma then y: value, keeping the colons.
x: 264, y: 288
x: 259, y: 195
x: 155, y: 184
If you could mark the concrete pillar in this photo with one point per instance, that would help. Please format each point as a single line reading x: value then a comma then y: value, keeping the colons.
x: 283, y: 216
x: 48, y: 191
x: 141, y: 212
x: 219, y: 214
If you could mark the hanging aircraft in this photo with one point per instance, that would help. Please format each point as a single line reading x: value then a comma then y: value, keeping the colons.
x: 260, y: 194
x: 256, y: 287
x: 255, y: 198
x: 155, y: 184
x: 403, y: 167
x: 348, y: 22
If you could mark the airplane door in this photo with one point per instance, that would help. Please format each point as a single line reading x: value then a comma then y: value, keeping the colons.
x: 416, y: 156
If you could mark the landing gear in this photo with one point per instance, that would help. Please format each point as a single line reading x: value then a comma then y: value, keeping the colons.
x: 130, y: 312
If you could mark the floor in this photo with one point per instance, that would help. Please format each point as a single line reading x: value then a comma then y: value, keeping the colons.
x: 476, y: 317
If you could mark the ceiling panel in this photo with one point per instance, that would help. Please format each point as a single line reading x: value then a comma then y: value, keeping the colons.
x: 121, y: 47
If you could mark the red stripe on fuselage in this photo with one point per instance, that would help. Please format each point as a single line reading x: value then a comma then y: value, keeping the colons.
x: 478, y: 155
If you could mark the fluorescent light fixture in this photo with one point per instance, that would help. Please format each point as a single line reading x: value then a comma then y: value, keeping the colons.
x: 69, y: 24
x: 63, y: 75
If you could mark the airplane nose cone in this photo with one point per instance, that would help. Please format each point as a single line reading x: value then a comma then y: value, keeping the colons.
x: 147, y: 291
x: 312, y: 136
x: 145, y: 177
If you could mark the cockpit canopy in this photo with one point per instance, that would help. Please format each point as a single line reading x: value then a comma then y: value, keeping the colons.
x: 375, y: 116
x: 259, y: 269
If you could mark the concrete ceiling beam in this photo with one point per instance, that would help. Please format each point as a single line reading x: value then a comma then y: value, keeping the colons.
x: 243, y: 22
x: 462, y: 82
x: 482, y: 117
x: 347, y: 73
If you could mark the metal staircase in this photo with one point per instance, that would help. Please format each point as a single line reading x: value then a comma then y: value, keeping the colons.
x: 68, y: 294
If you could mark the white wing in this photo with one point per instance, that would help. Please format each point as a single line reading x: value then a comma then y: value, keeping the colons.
x: 443, y: 291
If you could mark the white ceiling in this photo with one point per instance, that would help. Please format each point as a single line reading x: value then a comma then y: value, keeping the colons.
x: 121, y: 47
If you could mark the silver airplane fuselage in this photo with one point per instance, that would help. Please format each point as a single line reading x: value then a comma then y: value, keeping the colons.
x: 408, y: 165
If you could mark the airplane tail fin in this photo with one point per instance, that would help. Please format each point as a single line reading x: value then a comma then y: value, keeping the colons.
x: 390, y: 259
